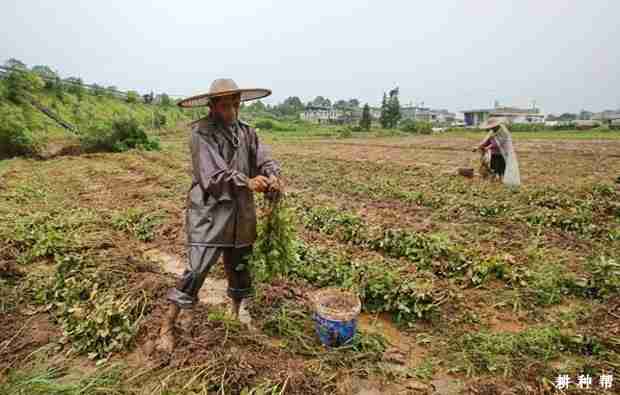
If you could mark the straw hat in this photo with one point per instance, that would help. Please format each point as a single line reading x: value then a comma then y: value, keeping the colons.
x: 492, y: 123
x: 223, y: 87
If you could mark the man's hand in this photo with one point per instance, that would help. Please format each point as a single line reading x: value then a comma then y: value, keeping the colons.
x: 258, y: 184
x: 275, y: 184
x: 275, y: 190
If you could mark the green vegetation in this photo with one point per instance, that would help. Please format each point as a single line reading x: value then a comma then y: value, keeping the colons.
x: 390, y: 110
x: 103, y: 121
x: 41, y: 379
x: 275, y: 248
x: 365, y: 121
x: 122, y: 135
x: 484, y: 284
x: 43, y: 235
x: 136, y: 222
x: 411, y: 126
x: 98, y: 313
x: 431, y: 252
x: 506, y: 353
x: 382, y: 286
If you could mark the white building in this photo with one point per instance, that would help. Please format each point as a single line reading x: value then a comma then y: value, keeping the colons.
x: 425, y: 114
x: 513, y: 114
x: 320, y: 114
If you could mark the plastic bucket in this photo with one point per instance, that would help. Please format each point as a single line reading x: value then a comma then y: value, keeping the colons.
x: 335, y: 316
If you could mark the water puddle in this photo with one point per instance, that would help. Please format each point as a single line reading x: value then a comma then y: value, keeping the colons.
x: 382, y: 324
x: 213, y: 290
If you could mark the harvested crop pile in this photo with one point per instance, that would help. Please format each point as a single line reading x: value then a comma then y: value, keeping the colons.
x: 275, y: 250
x: 336, y: 303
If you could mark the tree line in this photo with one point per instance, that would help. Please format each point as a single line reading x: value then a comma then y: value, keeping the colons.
x: 52, y: 82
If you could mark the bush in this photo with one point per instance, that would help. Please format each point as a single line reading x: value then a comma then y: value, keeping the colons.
x: 132, y: 97
x: 411, y: 126
x: 159, y: 120
x: 123, y: 135
x: 344, y: 133
x: 266, y: 124
x: 15, y: 136
x: 526, y: 127
x: 20, y: 84
x: 165, y: 100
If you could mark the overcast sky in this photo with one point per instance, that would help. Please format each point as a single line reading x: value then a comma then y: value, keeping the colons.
x: 459, y: 54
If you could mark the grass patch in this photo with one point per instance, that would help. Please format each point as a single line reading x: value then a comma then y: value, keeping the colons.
x: 506, y: 353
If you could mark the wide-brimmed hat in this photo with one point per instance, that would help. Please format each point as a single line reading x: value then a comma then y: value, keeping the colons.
x: 492, y: 123
x: 223, y: 87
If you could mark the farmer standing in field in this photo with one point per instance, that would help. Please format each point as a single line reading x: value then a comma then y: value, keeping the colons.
x: 229, y: 164
x: 504, y: 163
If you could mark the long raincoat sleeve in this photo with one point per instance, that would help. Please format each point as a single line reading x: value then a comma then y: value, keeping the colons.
x: 265, y: 165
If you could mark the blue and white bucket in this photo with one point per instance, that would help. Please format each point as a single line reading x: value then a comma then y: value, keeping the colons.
x: 335, y: 316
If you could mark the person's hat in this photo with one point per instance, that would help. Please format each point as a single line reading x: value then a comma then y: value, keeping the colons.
x: 223, y: 87
x: 491, y: 123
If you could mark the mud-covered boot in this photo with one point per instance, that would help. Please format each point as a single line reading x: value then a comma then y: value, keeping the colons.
x: 167, y: 341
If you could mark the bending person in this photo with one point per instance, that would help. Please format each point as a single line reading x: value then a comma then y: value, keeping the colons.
x: 504, y: 163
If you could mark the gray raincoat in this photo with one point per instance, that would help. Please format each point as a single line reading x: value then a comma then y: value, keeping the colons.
x: 220, y: 209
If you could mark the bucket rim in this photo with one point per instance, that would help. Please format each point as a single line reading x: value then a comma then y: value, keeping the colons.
x: 336, y: 314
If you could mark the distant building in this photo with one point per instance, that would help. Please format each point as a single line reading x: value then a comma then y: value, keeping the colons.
x: 331, y: 115
x: 513, y: 114
x: 424, y: 114
x: 320, y: 114
x: 324, y: 115
x: 611, y: 118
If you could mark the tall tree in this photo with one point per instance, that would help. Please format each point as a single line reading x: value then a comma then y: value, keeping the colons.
x: 13, y: 63
x: 21, y: 84
x: 133, y: 97
x: 164, y: 100
x: 354, y: 103
x: 321, y: 101
x: 567, y: 116
x: 341, y: 104
x: 294, y: 102
x: 98, y: 90
x: 393, y: 109
x: 365, y: 121
x: 51, y: 78
x: 256, y: 106
x: 384, y: 119
x: 290, y: 106
x: 76, y: 86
